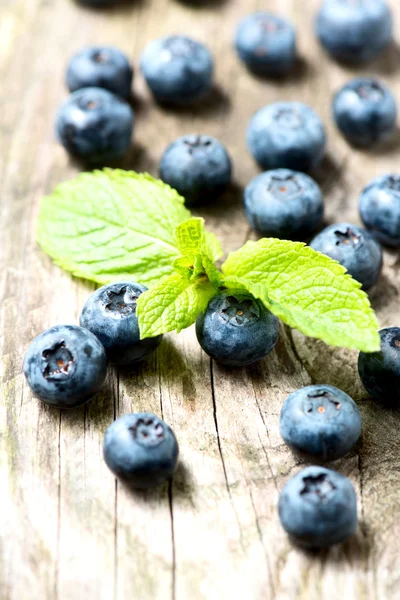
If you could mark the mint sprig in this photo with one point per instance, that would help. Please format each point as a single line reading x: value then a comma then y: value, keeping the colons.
x: 115, y: 225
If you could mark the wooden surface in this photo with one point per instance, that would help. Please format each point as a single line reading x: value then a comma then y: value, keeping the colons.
x: 67, y: 530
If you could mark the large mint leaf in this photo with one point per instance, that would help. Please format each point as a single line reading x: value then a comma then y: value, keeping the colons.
x: 307, y: 290
x: 173, y: 304
x: 112, y: 225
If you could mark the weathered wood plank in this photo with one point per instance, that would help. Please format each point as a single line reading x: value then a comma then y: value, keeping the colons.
x: 67, y: 530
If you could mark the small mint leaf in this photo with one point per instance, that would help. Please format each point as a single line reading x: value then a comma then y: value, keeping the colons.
x: 173, y: 304
x: 112, y: 225
x: 307, y: 290
x: 192, y: 238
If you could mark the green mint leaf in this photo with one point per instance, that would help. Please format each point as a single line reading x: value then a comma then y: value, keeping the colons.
x: 307, y: 290
x: 173, y: 304
x: 112, y: 225
x: 192, y: 238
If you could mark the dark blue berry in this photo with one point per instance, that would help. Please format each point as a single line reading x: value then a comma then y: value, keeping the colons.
x: 365, y: 111
x: 236, y: 329
x: 379, y: 206
x: 110, y: 314
x: 318, y: 508
x: 354, y: 248
x: 65, y: 366
x: 100, y: 66
x: 198, y: 167
x: 380, y: 371
x: 283, y: 203
x: 354, y: 31
x: 286, y: 135
x: 141, y: 450
x: 178, y: 70
x: 320, y: 421
x: 95, y: 125
x: 266, y: 43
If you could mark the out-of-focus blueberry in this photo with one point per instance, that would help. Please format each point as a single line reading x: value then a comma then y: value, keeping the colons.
x: 379, y: 206
x: 320, y: 421
x: 284, y: 204
x: 100, y: 66
x: 354, y: 31
x: 318, y: 508
x: 177, y: 69
x: 198, y: 167
x: 95, y: 125
x: 354, y: 248
x: 365, y: 111
x: 286, y: 135
x: 266, y: 43
x: 380, y: 371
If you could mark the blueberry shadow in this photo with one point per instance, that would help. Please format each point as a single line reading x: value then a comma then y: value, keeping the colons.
x: 121, y: 6
x: 299, y: 71
x: 382, y: 293
x: 215, y: 102
x: 387, y: 63
x: 135, y: 158
x: 354, y: 549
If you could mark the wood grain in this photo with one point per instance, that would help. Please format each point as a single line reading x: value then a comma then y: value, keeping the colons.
x: 68, y: 531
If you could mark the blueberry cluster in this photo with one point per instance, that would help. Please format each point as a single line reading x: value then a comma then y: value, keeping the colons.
x: 66, y: 365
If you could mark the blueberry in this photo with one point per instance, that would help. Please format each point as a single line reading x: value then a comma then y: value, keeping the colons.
x: 236, y: 329
x: 365, y: 111
x: 286, y: 135
x: 141, y: 449
x: 266, y: 43
x: 178, y: 70
x: 354, y: 31
x: 95, y: 125
x: 320, y: 421
x: 379, y: 206
x: 198, y: 166
x: 380, y: 371
x: 318, y: 508
x: 110, y: 314
x: 354, y: 248
x: 283, y: 203
x: 65, y: 366
x: 100, y: 66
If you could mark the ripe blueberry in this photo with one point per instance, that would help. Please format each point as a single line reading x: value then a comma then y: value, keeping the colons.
x: 178, y: 70
x: 95, y: 125
x: 286, y: 135
x: 141, y: 449
x: 198, y: 167
x: 100, y: 66
x: 320, y: 421
x: 110, y: 314
x: 236, y: 329
x: 318, y: 508
x: 283, y: 203
x: 266, y: 43
x: 379, y: 206
x: 365, y: 111
x: 380, y: 371
x: 354, y: 248
x: 65, y: 366
x: 354, y: 31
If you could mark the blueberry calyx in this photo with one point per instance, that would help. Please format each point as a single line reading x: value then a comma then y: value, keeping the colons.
x: 318, y: 485
x: 122, y: 303
x: 286, y: 187
x: 59, y: 361
x: 348, y: 237
x: 370, y: 90
x: 148, y: 432
x: 196, y: 142
x: 179, y: 47
x: 327, y: 396
x: 240, y: 312
x: 289, y: 118
x: 393, y: 183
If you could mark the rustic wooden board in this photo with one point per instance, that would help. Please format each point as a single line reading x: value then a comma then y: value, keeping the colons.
x: 67, y: 530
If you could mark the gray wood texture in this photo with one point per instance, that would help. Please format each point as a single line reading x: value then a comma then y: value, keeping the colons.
x: 68, y: 531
